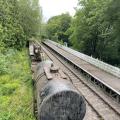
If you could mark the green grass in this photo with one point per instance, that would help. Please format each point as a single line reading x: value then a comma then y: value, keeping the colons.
x: 15, y: 86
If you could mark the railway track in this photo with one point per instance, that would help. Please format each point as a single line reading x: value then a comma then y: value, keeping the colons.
x: 97, y: 107
x: 107, y: 82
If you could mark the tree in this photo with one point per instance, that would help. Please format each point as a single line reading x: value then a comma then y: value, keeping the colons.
x: 19, y: 20
x: 113, y: 16
x: 12, y: 34
x: 93, y: 32
x: 30, y: 16
x: 57, y: 27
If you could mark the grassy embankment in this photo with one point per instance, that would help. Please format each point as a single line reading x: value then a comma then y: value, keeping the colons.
x: 15, y: 86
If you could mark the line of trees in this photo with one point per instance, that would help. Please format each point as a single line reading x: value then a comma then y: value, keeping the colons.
x: 94, y: 30
x: 57, y: 27
x: 19, y: 20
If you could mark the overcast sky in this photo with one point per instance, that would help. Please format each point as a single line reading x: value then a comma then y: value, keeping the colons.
x: 55, y: 7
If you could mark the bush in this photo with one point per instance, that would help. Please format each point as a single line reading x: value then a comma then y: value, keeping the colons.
x: 15, y: 86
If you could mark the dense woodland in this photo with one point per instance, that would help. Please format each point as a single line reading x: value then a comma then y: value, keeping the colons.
x: 94, y: 30
x: 19, y: 21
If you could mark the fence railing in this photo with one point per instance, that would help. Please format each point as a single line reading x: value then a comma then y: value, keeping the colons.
x: 100, y: 64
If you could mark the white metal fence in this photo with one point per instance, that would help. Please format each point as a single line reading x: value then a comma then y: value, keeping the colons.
x: 102, y: 65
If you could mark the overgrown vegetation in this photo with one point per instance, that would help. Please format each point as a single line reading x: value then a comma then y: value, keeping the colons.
x: 57, y: 27
x: 19, y: 20
x: 15, y: 86
x: 94, y: 29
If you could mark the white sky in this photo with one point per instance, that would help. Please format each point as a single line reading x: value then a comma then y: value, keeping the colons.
x: 56, y: 7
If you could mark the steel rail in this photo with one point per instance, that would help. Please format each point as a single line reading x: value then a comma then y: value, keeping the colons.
x: 108, y: 86
x: 98, y: 95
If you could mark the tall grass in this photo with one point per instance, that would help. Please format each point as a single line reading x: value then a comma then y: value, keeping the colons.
x: 15, y: 86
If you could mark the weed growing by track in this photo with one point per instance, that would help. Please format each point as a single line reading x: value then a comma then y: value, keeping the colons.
x: 15, y: 86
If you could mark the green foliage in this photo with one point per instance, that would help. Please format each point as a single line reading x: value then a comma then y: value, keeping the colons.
x: 12, y: 34
x: 30, y: 16
x: 4, y: 65
x: 16, y: 87
x: 43, y: 31
x: 19, y: 20
x: 57, y: 27
x: 8, y: 88
x: 95, y: 29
